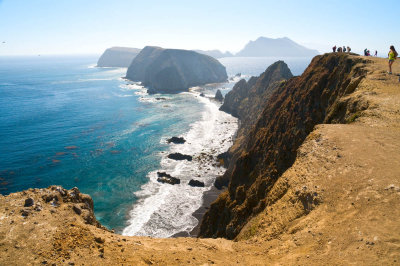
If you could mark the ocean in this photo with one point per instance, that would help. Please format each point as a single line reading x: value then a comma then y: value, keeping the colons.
x: 65, y: 122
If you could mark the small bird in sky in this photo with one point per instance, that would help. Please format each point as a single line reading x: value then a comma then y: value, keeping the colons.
x: 4, y: 42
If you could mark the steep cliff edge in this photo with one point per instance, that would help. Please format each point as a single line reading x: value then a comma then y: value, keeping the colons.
x: 336, y: 204
x: 173, y: 70
x: 246, y: 101
x: 290, y: 115
x: 117, y: 57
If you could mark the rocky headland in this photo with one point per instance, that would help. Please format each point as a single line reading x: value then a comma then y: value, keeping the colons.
x: 173, y: 70
x: 316, y: 182
x: 117, y: 57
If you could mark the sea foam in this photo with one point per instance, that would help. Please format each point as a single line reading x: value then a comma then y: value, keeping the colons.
x: 163, y: 210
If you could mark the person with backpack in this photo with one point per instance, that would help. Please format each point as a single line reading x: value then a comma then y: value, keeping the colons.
x: 392, y: 56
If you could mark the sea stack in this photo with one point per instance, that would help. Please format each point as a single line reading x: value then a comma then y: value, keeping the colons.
x: 173, y: 71
x: 117, y: 57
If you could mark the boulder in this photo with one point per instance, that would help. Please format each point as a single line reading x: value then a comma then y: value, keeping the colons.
x: 179, y: 156
x: 176, y: 140
x: 196, y: 183
x: 28, y: 202
x: 166, y: 178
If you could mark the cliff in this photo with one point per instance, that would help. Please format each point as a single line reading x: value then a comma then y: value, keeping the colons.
x: 173, y: 70
x: 246, y: 101
x: 290, y: 114
x: 281, y: 47
x: 117, y: 57
x: 334, y: 203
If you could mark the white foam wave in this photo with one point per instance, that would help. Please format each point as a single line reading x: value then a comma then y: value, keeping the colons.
x: 163, y: 210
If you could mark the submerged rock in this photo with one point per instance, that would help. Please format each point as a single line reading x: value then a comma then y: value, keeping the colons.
x: 176, y: 140
x: 179, y: 156
x: 196, y: 183
x: 166, y: 178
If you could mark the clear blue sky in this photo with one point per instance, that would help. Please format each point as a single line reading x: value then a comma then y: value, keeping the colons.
x: 85, y: 26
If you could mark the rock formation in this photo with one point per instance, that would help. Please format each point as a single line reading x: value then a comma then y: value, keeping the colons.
x: 290, y: 114
x: 179, y: 156
x: 246, y: 101
x: 166, y: 178
x: 333, y: 205
x: 282, y: 47
x: 218, y: 96
x: 173, y: 70
x: 117, y: 57
x: 176, y: 140
x: 196, y: 183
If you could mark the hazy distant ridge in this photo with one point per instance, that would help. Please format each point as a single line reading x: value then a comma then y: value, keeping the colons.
x: 117, y: 57
x: 285, y: 47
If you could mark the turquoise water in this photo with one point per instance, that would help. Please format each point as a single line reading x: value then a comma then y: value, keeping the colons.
x: 65, y: 122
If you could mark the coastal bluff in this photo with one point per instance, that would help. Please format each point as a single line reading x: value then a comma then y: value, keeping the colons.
x: 173, y: 70
x: 117, y: 57
x: 316, y: 183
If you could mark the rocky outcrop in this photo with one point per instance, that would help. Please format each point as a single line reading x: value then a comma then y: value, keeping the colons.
x: 196, y: 183
x: 117, y: 57
x: 246, y: 101
x: 166, y: 178
x: 218, y: 96
x: 283, y: 47
x: 176, y: 140
x: 172, y: 70
x: 290, y: 114
x: 179, y: 156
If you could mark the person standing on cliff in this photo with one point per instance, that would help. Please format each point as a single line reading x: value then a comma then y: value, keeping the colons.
x: 392, y: 56
x: 334, y: 48
x: 376, y: 53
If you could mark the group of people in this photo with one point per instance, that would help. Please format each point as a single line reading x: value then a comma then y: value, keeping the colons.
x: 368, y: 53
x: 341, y: 49
x: 392, y: 54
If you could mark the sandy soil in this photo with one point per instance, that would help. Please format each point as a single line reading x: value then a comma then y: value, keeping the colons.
x: 338, y: 204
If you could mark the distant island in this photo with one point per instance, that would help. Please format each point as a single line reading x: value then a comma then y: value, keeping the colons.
x: 117, y: 57
x: 173, y: 70
x: 262, y: 47
x: 215, y: 53
x: 280, y: 47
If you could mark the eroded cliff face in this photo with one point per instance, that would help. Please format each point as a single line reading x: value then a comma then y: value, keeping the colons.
x: 290, y: 114
x: 246, y: 101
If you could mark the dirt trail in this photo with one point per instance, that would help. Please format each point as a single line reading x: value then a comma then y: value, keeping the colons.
x: 338, y: 204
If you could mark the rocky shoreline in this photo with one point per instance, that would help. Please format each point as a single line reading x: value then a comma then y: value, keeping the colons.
x: 333, y: 205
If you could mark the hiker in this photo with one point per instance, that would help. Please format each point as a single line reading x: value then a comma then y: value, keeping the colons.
x: 376, y: 53
x: 344, y: 49
x: 365, y: 52
x: 392, y: 56
x: 348, y: 49
x: 334, y: 48
x: 339, y: 49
